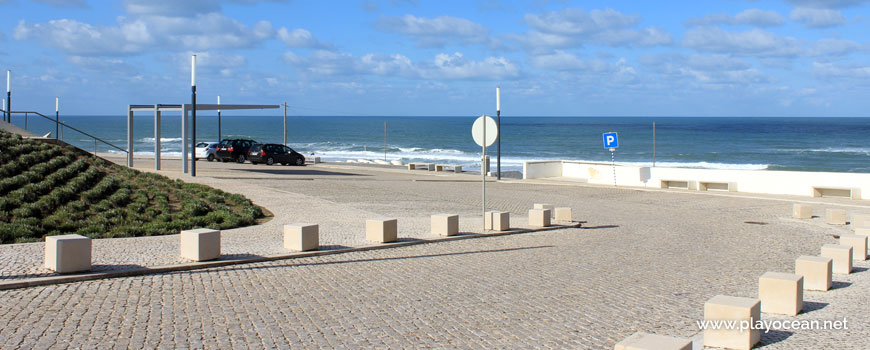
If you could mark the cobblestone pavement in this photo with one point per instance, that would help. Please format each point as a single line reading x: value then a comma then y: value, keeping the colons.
x: 645, y: 261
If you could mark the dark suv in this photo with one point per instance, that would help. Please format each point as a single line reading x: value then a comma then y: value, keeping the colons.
x: 234, y: 149
x: 271, y: 153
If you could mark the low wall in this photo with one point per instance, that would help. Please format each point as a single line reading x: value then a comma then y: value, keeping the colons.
x: 798, y: 183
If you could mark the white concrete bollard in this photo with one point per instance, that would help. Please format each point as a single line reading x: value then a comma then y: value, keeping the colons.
x: 382, y: 230
x: 201, y: 244
x: 301, y: 237
x: 727, y: 308
x: 497, y: 221
x: 68, y: 253
x: 841, y: 256
x: 816, y: 271
x: 564, y: 215
x: 858, y: 244
x: 802, y: 211
x: 645, y: 341
x: 445, y: 224
x: 539, y: 217
x: 835, y: 216
x: 781, y: 293
x: 544, y: 206
x: 860, y: 220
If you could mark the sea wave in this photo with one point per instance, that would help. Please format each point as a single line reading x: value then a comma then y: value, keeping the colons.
x: 162, y: 139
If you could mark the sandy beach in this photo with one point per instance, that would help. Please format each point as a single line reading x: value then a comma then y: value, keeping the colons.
x: 644, y: 260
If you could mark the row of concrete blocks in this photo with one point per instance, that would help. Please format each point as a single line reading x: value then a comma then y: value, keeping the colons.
x: 778, y: 293
x: 833, y: 217
x: 72, y: 253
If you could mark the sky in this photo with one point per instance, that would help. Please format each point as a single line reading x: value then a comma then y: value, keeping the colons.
x: 444, y: 58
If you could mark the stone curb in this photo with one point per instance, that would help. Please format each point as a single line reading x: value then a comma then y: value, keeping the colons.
x: 90, y: 276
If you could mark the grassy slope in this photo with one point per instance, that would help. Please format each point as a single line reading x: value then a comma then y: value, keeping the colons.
x: 47, y: 189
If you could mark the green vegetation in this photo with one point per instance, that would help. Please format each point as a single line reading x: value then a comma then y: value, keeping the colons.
x: 47, y: 189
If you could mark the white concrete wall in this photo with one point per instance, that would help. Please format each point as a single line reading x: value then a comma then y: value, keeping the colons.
x: 797, y: 183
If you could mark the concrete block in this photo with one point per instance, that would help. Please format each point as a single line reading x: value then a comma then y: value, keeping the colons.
x: 645, y: 341
x: 803, y: 211
x: 539, y: 217
x: 858, y: 244
x: 863, y: 231
x: 835, y: 216
x: 497, y: 221
x: 564, y: 215
x: 727, y: 308
x: 781, y: 293
x: 201, y: 244
x: 545, y: 206
x: 445, y: 224
x: 382, y: 230
x: 816, y: 271
x: 841, y: 256
x: 301, y: 237
x: 860, y: 220
x: 68, y: 253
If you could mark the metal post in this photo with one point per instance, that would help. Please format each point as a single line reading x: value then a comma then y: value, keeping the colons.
x: 184, y: 165
x: 285, y: 123
x: 56, y: 118
x: 129, y: 136
x: 483, y: 176
x: 385, y: 141
x: 157, y: 137
x: 498, y: 117
x: 25, y: 120
x: 8, y: 118
x: 219, y: 119
x: 95, y: 147
x: 613, y: 165
x: 193, y: 127
x: 654, y: 144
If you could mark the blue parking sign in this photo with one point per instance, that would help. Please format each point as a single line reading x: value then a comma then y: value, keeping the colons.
x: 610, y: 140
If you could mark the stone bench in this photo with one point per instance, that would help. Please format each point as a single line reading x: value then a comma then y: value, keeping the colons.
x: 717, y: 186
x: 781, y: 293
x: 201, y: 244
x: 564, y: 215
x: 802, y: 211
x: 858, y: 244
x: 456, y: 168
x: 445, y: 224
x: 382, y: 230
x: 816, y: 271
x: 412, y: 166
x: 301, y: 237
x: 679, y: 184
x: 539, y: 217
x: 841, y: 256
x: 838, y: 192
x: 727, y: 308
x: 645, y: 341
x: 835, y: 216
x: 68, y: 253
x: 497, y: 221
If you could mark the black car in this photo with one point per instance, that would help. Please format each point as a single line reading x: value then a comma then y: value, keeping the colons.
x: 272, y: 153
x: 234, y: 150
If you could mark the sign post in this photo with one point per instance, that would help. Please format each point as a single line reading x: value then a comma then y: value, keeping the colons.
x: 485, y: 132
x: 611, y: 142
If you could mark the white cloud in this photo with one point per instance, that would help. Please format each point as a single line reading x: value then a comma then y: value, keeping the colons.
x: 827, y: 3
x: 176, y: 8
x: 751, y: 17
x: 299, y: 38
x: 564, y: 61
x: 832, y: 71
x: 442, y: 67
x: 202, y: 32
x: 705, y: 71
x: 437, y: 31
x: 754, y: 42
x: 817, y: 18
x: 114, y: 66
x: 574, y: 27
x: 835, y: 47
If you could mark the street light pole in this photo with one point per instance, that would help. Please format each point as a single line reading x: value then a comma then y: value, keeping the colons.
x: 498, y: 117
x: 56, y: 118
x: 219, y: 119
x: 285, y: 123
x: 193, y: 109
x: 8, y: 117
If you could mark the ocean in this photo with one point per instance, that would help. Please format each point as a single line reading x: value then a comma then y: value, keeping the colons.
x: 805, y: 144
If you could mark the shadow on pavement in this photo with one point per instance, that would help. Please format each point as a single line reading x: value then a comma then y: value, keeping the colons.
x: 810, y: 306
x: 599, y: 227
x: 299, y: 172
x: 773, y: 337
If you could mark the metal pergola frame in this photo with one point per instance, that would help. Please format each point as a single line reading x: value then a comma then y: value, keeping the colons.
x: 184, y: 109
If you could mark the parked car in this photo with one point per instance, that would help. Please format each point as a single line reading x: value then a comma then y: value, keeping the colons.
x: 272, y: 153
x: 206, y: 150
x: 234, y: 150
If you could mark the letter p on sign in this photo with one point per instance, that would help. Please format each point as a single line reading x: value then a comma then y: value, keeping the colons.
x: 611, y: 140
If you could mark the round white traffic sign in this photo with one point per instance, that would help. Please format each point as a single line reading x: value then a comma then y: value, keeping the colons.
x: 491, y: 130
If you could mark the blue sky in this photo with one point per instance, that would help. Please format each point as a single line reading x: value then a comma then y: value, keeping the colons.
x: 406, y: 57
